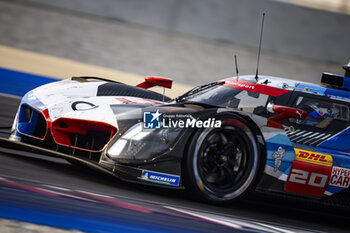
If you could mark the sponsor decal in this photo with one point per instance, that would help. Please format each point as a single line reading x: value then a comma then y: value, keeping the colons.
x: 240, y: 84
x: 136, y: 100
x: 314, y: 157
x: 291, y: 129
x: 278, y: 156
x: 161, y: 178
x: 125, y: 100
x: 310, y: 173
x: 299, y: 113
x: 157, y: 120
x: 340, y: 177
x: 272, y: 90
x: 83, y: 106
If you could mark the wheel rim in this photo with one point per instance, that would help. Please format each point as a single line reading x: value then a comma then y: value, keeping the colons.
x: 224, y: 161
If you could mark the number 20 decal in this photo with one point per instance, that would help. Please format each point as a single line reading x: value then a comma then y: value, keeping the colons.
x: 302, y: 177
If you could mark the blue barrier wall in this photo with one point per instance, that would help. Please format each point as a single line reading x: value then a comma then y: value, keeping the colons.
x: 18, y: 83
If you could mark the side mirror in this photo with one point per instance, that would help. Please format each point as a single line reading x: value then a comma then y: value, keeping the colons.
x: 284, y: 113
x: 155, y: 81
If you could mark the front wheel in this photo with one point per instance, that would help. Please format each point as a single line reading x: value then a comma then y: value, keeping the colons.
x: 222, y: 163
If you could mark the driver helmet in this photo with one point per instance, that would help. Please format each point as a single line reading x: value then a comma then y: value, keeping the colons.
x: 321, y: 110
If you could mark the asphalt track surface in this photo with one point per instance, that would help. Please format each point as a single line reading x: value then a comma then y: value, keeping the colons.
x: 298, y: 213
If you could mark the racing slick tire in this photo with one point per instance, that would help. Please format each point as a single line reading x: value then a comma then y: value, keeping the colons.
x: 222, y: 163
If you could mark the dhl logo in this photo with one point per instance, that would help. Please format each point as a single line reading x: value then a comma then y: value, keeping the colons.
x: 314, y: 157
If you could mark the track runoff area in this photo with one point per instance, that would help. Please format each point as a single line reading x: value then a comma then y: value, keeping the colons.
x: 36, y: 69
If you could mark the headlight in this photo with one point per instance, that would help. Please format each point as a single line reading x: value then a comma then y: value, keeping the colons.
x: 117, y: 148
x: 135, y: 133
x: 140, y: 144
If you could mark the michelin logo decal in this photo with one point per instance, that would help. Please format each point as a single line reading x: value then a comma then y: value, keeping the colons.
x: 278, y: 156
x: 160, y: 178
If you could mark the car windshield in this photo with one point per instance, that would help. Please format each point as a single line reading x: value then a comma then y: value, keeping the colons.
x: 224, y: 96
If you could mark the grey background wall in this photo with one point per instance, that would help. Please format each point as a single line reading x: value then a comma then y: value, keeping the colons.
x: 289, y: 29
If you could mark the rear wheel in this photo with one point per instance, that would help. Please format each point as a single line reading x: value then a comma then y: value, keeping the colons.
x: 222, y: 163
